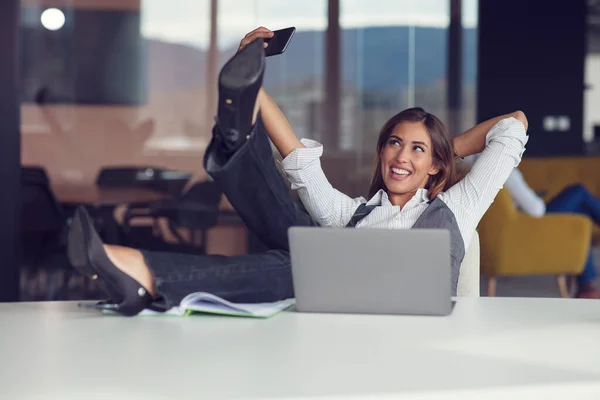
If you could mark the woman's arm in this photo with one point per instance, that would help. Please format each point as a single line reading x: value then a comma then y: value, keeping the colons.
x: 277, y: 126
x: 473, y: 141
x: 501, y: 142
x: 302, y: 166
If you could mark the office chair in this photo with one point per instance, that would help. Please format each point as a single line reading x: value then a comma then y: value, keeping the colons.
x: 43, y: 229
x: 197, y: 210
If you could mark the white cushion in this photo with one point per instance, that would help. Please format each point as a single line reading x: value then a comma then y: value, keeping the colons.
x: 468, y: 279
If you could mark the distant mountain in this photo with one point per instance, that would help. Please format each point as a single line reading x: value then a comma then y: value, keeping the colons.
x: 373, y: 59
x: 174, y: 66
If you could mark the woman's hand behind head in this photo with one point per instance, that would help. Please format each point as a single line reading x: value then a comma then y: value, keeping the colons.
x: 260, y: 32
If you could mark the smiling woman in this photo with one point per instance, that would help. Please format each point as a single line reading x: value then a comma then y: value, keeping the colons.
x: 413, y: 151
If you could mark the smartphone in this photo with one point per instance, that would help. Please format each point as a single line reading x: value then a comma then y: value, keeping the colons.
x: 279, y: 42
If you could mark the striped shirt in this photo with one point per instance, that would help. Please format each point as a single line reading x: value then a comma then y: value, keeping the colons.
x: 468, y: 199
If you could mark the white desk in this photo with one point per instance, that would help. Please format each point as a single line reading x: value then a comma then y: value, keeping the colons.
x: 519, y: 348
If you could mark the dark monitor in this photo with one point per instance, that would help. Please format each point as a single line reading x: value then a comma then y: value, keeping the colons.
x: 97, y: 57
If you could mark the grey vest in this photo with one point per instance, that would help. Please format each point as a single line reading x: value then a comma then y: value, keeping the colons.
x: 437, y: 216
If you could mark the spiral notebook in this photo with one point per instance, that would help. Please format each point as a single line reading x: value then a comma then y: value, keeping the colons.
x: 207, y: 303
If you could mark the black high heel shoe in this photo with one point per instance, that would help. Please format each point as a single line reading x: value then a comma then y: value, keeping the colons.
x: 86, y: 254
x: 240, y: 80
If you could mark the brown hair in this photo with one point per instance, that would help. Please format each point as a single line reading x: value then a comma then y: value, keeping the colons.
x: 442, y: 151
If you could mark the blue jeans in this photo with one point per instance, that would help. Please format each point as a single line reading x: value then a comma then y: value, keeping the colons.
x: 263, y: 200
x: 577, y: 199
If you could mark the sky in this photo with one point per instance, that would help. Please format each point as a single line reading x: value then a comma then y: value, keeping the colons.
x: 187, y: 21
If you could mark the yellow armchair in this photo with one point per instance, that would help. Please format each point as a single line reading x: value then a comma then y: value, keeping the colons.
x: 515, y: 244
x: 550, y: 175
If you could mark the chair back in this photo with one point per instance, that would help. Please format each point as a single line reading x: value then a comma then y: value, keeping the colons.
x: 40, y: 210
x: 43, y: 226
x: 494, y: 225
x: 149, y: 177
x: 35, y: 174
x: 468, y: 279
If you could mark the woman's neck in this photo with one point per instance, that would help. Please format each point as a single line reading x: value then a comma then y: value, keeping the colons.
x: 400, y: 199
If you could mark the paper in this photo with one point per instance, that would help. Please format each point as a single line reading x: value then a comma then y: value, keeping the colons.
x: 201, y: 302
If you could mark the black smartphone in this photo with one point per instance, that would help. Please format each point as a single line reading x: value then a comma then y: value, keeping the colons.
x: 279, y: 42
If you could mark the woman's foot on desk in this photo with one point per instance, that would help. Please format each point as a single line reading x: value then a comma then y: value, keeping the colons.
x: 122, y: 270
x: 239, y: 82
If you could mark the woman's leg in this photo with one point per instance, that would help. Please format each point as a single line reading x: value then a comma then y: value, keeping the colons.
x: 252, y: 278
x: 586, y: 278
x: 257, y: 190
x: 136, y: 280
x: 249, y: 278
x: 576, y: 199
x: 240, y: 159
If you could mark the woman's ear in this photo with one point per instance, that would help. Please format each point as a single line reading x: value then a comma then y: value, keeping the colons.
x: 434, y: 170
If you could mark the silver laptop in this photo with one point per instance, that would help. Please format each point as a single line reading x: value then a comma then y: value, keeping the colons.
x: 371, y: 271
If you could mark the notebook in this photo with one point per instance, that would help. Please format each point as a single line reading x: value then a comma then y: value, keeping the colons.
x: 207, y: 303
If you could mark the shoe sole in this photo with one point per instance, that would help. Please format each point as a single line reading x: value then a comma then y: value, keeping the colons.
x: 244, y: 69
x: 239, y: 78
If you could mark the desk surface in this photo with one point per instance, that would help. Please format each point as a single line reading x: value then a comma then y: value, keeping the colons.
x: 496, y: 347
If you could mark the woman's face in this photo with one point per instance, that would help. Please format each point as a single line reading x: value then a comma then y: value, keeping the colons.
x: 407, y: 159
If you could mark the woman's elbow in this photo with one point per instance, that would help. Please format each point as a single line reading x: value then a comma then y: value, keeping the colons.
x: 538, y: 210
x: 520, y: 115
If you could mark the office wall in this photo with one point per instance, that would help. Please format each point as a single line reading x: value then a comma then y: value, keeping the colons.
x: 531, y: 57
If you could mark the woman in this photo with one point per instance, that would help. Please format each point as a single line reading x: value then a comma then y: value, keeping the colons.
x: 412, y: 186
